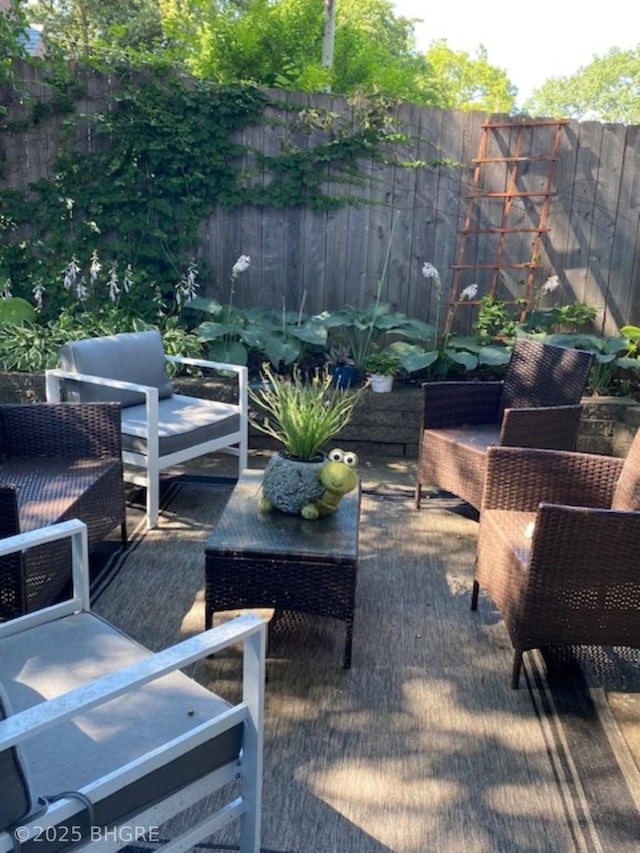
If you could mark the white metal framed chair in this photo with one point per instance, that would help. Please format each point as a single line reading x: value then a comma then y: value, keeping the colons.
x: 100, y: 738
x: 160, y: 429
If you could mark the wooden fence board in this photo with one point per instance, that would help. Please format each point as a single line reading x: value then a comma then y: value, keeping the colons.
x: 607, y: 198
x: 625, y: 267
x: 560, y: 242
x: 337, y: 256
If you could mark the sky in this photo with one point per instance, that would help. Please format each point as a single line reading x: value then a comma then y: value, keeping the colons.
x: 531, y: 42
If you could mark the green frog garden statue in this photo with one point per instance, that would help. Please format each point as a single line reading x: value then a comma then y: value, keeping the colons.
x: 336, y: 477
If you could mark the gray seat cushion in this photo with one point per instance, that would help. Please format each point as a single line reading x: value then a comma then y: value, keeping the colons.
x: 59, y: 656
x: 128, y: 357
x: 183, y: 422
x: 15, y: 791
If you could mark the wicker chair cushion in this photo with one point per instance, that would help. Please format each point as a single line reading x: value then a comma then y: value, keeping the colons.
x: 129, y: 357
x: 55, y: 490
x: 182, y: 422
x: 627, y: 493
x: 15, y: 800
x: 62, y: 655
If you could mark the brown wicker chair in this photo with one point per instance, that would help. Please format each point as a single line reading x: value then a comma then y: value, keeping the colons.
x: 57, y: 461
x: 559, y: 546
x: 536, y: 405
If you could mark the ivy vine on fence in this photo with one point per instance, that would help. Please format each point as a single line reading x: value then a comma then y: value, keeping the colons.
x: 132, y: 182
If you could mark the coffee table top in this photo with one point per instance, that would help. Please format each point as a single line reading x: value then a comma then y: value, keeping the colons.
x: 243, y: 529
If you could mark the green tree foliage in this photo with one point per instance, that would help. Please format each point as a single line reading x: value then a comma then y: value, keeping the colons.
x: 273, y: 44
x: 277, y: 43
x: 13, y: 23
x: 459, y: 81
x: 608, y: 89
x: 98, y: 30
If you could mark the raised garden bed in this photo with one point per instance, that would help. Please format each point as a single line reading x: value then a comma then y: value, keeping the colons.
x: 388, y: 425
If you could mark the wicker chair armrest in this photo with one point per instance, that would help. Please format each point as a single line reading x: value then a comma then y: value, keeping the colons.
x: 553, y: 427
x: 521, y: 478
x: 449, y: 404
x: 73, y: 430
x: 586, y: 547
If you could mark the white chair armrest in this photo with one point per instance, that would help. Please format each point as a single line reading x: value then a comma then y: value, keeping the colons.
x: 240, y: 369
x: 248, y: 628
x: 60, y: 374
x: 73, y: 529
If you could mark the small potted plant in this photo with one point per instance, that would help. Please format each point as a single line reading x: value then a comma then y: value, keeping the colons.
x: 381, y: 367
x: 342, y: 367
x: 303, y: 413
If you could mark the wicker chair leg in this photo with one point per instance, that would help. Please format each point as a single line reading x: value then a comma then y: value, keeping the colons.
x: 515, y: 671
x: 417, y: 495
x: 474, y: 595
x: 123, y: 535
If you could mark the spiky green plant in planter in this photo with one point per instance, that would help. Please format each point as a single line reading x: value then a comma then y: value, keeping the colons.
x: 303, y: 413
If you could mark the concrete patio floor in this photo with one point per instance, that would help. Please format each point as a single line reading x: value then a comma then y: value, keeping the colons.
x: 390, y: 474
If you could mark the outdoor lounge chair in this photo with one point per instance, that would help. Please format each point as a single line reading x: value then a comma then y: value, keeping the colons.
x: 57, y: 461
x: 536, y: 405
x: 160, y: 429
x: 558, y: 546
x: 102, y: 741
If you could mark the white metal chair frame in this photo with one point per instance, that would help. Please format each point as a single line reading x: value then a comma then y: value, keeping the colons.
x: 144, y: 469
x: 244, y: 805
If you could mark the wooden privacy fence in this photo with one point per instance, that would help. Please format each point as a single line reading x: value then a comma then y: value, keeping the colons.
x: 415, y: 203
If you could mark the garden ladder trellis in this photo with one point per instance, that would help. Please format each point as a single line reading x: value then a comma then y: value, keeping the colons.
x: 524, y: 192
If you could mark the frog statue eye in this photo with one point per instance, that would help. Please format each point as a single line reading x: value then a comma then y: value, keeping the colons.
x: 350, y: 459
x: 336, y: 455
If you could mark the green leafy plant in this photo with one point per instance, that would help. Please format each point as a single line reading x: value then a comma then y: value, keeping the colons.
x: 573, y: 317
x: 383, y: 363
x: 302, y: 412
x: 612, y: 355
x: 494, y: 320
x: 13, y: 309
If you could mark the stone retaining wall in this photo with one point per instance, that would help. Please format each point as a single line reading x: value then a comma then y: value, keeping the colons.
x: 388, y: 425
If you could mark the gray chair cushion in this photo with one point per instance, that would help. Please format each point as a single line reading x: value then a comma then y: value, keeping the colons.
x: 129, y: 357
x: 64, y: 654
x: 15, y: 793
x: 182, y: 422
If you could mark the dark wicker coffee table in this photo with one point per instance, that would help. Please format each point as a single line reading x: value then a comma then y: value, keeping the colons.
x: 254, y: 559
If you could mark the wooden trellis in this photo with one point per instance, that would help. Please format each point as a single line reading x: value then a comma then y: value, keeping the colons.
x: 500, y: 179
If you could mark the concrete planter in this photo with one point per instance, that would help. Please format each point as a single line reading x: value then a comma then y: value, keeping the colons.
x: 289, y: 483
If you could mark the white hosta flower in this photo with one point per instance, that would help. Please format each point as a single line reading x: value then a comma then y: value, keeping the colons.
x: 187, y: 287
x: 81, y: 291
x: 113, y: 283
x: 241, y: 265
x: 5, y: 293
x: 469, y: 292
x: 429, y: 271
x: 161, y: 307
x: 551, y: 284
x: 95, y: 267
x: 38, y: 293
x: 71, y: 273
x: 127, y: 281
